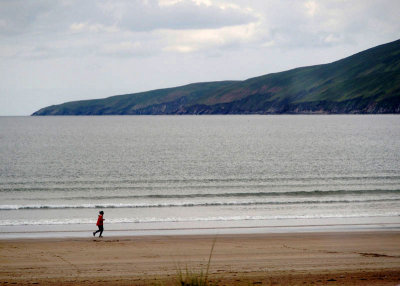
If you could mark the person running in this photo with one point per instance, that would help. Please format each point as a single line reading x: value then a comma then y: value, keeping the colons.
x: 99, y: 224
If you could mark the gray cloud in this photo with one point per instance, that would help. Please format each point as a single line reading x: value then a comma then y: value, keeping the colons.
x: 18, y: 16
x: 183, y: 15
x: 312, y: 23
x: 48, y: 29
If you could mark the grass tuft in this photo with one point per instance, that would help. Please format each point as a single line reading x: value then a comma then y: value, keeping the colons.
x: 195, y: 278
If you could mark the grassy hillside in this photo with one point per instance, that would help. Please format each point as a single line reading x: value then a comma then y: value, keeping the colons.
x: 367, y: 82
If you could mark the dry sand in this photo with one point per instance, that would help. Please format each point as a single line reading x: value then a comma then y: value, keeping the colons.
x: 357, y: 258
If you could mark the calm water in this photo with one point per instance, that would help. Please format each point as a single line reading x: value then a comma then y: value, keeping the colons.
x: 178, y: 172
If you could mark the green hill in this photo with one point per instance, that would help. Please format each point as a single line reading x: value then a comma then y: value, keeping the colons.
x: 367, y: 82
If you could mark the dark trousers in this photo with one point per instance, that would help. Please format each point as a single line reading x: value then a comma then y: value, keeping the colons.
x: 100, y: 230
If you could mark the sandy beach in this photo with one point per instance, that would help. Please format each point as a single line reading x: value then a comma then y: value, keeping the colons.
x: 352, y: 258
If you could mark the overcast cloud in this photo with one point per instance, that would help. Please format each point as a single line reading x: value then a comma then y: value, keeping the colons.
x: 56, y: 51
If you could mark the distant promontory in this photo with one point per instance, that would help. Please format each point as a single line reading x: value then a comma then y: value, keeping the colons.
x: 367, y: 82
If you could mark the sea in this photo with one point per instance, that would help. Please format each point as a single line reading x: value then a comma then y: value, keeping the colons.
x: 217, y: 174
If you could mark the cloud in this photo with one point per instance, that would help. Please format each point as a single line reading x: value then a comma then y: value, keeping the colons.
x: 311, y: 7
x: 17, y: 16
x: 175, y: 15
x: 41, y: 16
x: 97, y: 28
x: 128, y: 49
x: 46, y: 28
x: 195, y: 40
x: 310, y: 23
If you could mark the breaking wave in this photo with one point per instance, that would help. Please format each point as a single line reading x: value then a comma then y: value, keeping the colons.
x: 187, y: 204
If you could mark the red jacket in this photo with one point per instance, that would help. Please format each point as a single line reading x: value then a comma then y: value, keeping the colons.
x: 100, y: 220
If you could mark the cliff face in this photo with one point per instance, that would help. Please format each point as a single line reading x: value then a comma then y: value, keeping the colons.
x: 367, y: 82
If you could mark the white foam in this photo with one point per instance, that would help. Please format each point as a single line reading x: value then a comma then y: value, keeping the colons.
x: 189, y: 219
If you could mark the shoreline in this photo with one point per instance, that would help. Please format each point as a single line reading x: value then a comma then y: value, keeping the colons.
x: 342, y: 258
x: 355, y: 224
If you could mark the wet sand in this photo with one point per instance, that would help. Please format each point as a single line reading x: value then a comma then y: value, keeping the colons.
x: 351, y: 258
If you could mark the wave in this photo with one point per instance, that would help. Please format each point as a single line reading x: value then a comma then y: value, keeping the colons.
x: 246, y: 194
x: 305, y: 194
x: 186, y: 204
x: 189, y: 219
x: 70, y: 189
x: 200, y: 180
x: 155, y: 184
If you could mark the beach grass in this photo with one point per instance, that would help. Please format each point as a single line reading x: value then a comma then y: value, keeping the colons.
x: 191, y: 277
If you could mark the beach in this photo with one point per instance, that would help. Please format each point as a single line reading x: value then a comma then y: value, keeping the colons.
x: 319, y: 258
x: 291, y: 200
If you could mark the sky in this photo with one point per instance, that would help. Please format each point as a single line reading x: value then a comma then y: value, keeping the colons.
x: 54, y: 51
